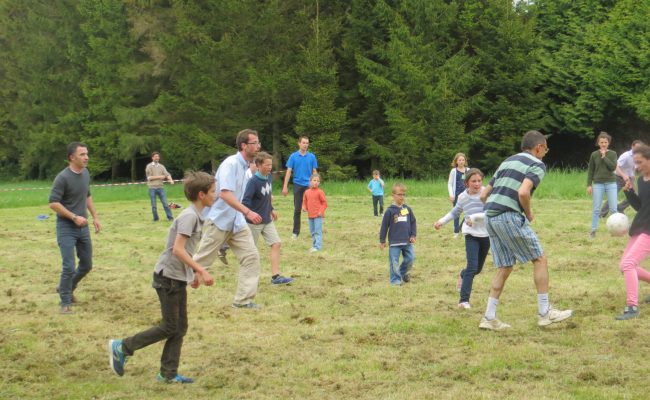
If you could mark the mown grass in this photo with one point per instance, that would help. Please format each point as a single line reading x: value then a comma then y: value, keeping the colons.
x: 340, y: 331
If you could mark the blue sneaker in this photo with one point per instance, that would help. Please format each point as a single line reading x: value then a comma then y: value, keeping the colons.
x: 281, y: 280
x: 117, y: 358
x: 250, y: 305
x: 177, y: 379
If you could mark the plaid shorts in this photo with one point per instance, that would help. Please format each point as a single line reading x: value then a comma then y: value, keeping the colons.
x: 512, y: 239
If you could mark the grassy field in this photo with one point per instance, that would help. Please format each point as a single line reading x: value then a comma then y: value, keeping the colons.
x: 340, y: 331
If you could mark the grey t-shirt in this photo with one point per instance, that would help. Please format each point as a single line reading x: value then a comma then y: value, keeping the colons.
x: 71, y: 190
x: 190, y: 224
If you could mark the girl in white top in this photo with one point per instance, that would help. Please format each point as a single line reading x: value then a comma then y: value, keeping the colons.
x: 477, y: 241
x: 455, y: 184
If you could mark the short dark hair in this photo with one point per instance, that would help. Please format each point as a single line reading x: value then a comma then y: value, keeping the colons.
x: 635, y: 142
x: 72, y: 148
x: 154, y: 153
x: 604, y: 135
x: 644, y: 150
x: 195, y: 182
x: 532, y: 139
x: 303, y: 137
x: 261, y: 157
x: 242, y: 137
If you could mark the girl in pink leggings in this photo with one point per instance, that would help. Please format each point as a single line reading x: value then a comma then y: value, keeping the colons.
x: 638, y: 247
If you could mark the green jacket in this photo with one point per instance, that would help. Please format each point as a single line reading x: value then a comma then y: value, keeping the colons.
x: 601, y: 170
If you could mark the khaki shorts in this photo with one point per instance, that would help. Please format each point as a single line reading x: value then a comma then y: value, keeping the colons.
x: 268, y: 231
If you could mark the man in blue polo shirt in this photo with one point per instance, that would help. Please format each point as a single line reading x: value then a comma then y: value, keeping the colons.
x: 303, y: 164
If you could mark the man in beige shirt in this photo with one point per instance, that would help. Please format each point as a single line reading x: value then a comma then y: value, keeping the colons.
x: 156, y: 176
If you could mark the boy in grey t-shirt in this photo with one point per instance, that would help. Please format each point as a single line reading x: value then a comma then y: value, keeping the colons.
x: 174, y: 270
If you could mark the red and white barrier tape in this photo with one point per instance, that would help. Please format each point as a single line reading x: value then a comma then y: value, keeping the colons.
x: 96, y: 185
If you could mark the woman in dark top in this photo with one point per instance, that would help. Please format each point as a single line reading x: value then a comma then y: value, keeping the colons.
x: 638, y: 247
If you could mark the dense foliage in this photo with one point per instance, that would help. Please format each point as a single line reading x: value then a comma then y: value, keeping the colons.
x: 398, y: 85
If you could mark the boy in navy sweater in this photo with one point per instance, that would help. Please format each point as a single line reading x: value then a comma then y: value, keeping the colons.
x: 399, y: 224
x: 257, y: 197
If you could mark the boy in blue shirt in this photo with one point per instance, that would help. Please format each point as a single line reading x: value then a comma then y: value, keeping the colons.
x: 376, y: 188
x: 400, y: 225
x: 257, y: 197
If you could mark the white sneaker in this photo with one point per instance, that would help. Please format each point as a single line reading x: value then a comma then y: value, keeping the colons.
x: 493, y: 325
x: 294, y: 236
x: 553, y: 316
x: 464, y: 305
x: 455, y: 236
x: 313, y: 250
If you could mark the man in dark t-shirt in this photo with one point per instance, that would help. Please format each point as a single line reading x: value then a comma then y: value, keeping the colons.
x: 70, y: 198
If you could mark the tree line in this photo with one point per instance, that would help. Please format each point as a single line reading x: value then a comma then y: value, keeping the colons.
x: 396, y: 85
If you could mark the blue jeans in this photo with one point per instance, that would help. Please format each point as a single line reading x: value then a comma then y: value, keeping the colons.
x: 476, y: 249
x: 598, y: 190
x: 70, y: 238
x: 408, y: 256
x: 160, y: 192
x: 316, y: 230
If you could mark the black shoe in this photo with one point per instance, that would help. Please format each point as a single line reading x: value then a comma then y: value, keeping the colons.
x: 406, y: 278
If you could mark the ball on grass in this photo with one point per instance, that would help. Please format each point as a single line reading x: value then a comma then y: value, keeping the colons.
x: 618, y: 224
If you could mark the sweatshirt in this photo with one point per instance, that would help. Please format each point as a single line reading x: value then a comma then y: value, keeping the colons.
x: 601, y: 170
x: 472, y: 207
x: 399, y: 224
x: 314, y: 202
x: 641, y: 203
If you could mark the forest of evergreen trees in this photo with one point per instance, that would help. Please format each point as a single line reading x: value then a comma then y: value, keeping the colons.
x: 398, y: 85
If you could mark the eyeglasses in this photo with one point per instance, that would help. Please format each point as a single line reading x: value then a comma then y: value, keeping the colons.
x: 399, y: 194
x: 255, y: 143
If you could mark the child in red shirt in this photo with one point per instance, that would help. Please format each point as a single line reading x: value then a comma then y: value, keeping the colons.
x: 314, y: 202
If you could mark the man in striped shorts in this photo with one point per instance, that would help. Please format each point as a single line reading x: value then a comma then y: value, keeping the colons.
x: 509, y: 213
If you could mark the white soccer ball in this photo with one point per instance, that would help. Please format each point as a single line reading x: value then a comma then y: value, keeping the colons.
x: 618, y: 224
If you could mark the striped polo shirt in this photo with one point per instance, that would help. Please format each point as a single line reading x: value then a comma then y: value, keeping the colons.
x: 507, y: 180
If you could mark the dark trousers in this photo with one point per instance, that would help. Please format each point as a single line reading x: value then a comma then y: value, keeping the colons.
x: 378, y: 200
x: 622, y: 205
x: 457, y: 222
x: 173, y: 326
x: 298, y: 193
x: 476, y: 249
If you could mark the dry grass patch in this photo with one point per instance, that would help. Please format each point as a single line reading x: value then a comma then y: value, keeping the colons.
x: 338, y: 332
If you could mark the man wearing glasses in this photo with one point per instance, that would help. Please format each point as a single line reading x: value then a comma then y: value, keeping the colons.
x: 509, y: 212
x: 303, y: 165
x: 226, y: 224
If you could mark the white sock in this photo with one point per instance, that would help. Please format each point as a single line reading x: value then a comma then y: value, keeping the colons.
x: 542, y: 303
x: 491, y: 311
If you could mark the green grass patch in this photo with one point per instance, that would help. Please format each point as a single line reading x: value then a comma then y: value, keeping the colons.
x: 558, y: 184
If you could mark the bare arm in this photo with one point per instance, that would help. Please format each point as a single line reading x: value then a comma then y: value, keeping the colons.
x: 231, y: 200
x: 485, y: 193
x: 179, y: 252
x: 91, y: 207
x: 285, y: 187
x: 620, y: 173
x: 525, y: 198
x: 58, y: 208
